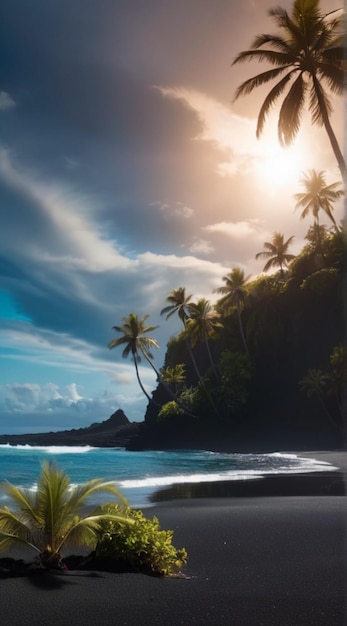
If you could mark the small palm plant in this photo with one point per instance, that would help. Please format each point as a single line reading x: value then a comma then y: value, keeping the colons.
x: 50, y: 517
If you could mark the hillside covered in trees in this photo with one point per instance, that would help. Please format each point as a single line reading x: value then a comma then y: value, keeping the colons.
x: 262, y: 369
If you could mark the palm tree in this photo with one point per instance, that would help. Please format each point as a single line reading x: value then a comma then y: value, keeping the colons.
x: 202, y: 324
x: 276, y: 252
x: 316, y: 382
x: 307, y: 55
x: 235, y: 293
x: 136, y: 343
x: 50, y: 518
x: 317, y: 195
x: 180, y: 304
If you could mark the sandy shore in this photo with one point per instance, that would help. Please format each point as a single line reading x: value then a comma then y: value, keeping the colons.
x: 252, y: 560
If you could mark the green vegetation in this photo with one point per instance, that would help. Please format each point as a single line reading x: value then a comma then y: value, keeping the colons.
x: 143, y: 545
x: 233, y: 371
x: 50, y: 518
x: 290, y: 321
x: 328, y: 386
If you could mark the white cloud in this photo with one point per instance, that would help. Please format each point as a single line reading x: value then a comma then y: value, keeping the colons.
x: 176, y: 209
x: 238, y: 230
x: 79, y: 244
x: 6, y: 102
x: 201, y: 246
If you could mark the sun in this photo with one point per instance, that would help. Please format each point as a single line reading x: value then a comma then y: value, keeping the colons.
x: 278, y: 167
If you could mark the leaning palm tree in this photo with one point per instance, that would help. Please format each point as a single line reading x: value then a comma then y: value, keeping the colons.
x: 276, y: 251
x: 317, y: 196
x: 307, y: 56
x: 136, y: 343
x: 51, y: 517
x: 235, y: 294
x: 202, y: 324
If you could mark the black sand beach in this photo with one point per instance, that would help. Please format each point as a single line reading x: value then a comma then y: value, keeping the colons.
x: 262, y: 560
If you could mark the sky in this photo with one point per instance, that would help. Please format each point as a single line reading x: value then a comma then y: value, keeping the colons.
x: 126, y: 170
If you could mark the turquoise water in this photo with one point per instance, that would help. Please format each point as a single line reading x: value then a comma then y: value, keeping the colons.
x: 139, y: 474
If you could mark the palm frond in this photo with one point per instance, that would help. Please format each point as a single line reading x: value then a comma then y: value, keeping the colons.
x: 333, y: 75
x: 291, y: 112
x: 318, y: 103
x: 269, y: 101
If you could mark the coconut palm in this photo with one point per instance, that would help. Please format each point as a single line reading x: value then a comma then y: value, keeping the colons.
x: 307, y: 56
x: 317, y: 196
x: 276, y: 251
x: 235, y: 293
x: 50, y: 518
x: 136, y: 343
x: 180, y: 304
x: 202, y: 324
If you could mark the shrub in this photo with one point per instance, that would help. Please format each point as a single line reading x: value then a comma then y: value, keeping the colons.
x: 143, y: 545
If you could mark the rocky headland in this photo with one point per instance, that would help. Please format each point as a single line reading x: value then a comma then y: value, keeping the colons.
x: 113, y: 432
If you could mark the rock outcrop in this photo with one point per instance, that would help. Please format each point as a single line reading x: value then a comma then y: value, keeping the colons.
x: 113, y: 432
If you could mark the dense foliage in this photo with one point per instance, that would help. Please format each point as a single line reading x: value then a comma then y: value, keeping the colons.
x: 292, y: 322
x: 143, y: 545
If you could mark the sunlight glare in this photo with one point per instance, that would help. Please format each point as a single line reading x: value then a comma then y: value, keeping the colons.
x: 280, y: 167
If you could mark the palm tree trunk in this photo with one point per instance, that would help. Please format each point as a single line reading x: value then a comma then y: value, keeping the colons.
x: 332, y: 138
x: 211, y: 359
x: 140, y: 382
x: 241, y: 329
x: 189, y: 348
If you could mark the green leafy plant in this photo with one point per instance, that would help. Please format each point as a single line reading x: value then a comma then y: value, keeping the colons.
x: 169, y: 410
x: 143, y: 545
x: 50, y: 518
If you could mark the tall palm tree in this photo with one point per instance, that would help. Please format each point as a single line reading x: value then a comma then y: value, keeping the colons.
x: 52, y: 517
x: 276, y: 251
x: 317, y: 196
x: 307, y: 55
x: 180, y: 303
x: 202, y: 324
x: 235, y: 293
x: 136, y: 343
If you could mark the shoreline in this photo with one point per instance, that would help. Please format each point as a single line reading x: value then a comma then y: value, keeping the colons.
x: 252, y: 561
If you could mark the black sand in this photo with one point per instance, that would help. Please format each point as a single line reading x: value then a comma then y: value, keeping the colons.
x: 252, y: 560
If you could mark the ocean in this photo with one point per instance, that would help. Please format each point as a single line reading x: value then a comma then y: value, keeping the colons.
x: 138, y: 475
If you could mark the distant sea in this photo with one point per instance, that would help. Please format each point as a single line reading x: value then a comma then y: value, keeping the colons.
x: 139, y: 474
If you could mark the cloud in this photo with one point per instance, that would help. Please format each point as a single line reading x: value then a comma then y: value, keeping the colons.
x: 232, y: 134
x: 201, y: 246
x: 72, y: 238
x: 6, y: 102
x: 238, y: 230
x: 175, y: 209
x: 43, y: 407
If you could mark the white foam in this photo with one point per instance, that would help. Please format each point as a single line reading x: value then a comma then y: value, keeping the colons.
x: 51, y: 449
